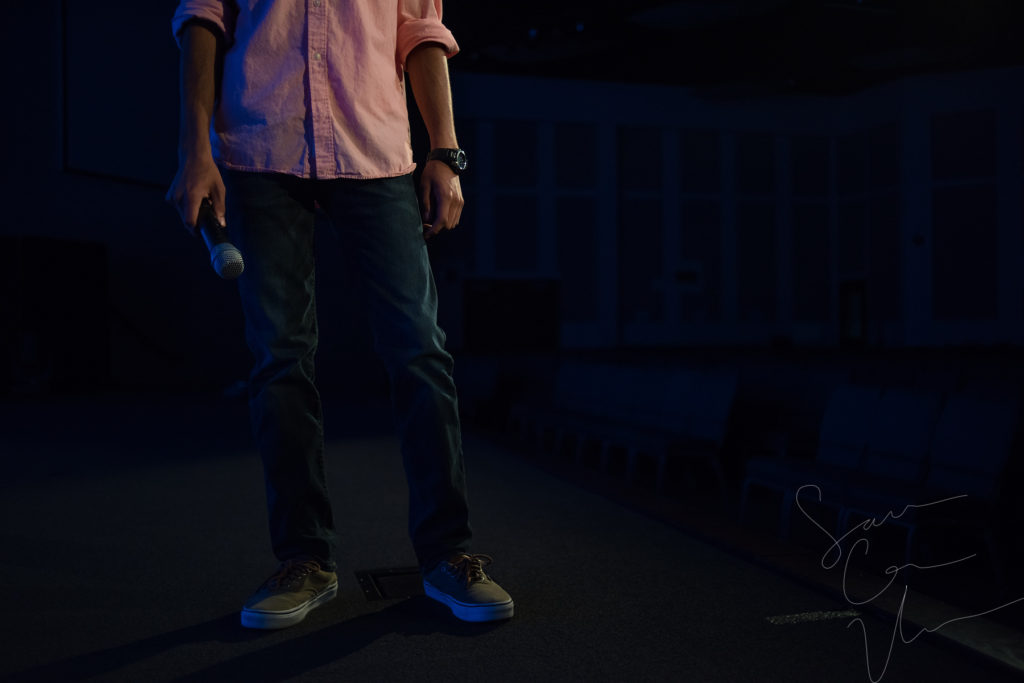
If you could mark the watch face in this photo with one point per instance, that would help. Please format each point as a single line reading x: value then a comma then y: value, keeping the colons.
x: 460, y: 160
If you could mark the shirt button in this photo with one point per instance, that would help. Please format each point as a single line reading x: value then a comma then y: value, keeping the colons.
x: 316, y: 3
x: 316, y: 56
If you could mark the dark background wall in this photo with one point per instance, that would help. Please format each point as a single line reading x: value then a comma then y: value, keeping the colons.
x: 644, y: 175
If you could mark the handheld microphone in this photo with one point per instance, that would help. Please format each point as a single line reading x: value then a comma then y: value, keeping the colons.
x: 224, y: 256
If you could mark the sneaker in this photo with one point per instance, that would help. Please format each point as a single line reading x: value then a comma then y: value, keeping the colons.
x: 460, y: 583
x: 286, y: 598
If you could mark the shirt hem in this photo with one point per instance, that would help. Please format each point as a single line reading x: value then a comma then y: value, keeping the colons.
x: 352, y: 175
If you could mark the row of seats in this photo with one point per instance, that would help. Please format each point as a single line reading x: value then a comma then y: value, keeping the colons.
x: 877, y: 450
x: 650, y: 412
x: 881, y: 450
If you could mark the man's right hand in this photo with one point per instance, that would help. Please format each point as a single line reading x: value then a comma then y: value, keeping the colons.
x: 197, y: 178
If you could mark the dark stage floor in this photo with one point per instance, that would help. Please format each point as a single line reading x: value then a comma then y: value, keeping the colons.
x: 133, y: 528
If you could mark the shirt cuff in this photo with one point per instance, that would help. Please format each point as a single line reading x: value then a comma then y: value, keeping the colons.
x: 211, y: 12
x: 415, y: 32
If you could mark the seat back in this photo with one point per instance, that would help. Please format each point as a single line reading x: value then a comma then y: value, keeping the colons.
x: 849, y: 415
x: 973, y: 442
x: 900, y: 438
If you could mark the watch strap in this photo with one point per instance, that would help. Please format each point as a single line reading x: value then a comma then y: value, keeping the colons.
x: 454, y: 158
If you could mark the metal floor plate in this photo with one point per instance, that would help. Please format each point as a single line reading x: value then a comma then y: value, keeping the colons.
x: 390, y: 583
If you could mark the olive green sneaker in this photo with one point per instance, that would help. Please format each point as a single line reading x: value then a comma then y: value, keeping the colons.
x: 460, y: 583
x: 286, y: 598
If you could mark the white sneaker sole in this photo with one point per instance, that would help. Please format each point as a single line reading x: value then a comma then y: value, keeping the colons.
x: 254, y: 618
x: 488, y: 611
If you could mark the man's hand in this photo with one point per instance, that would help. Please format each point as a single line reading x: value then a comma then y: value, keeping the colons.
x: 440, y: 191
x: 440, y: 198
x: 198, y: 177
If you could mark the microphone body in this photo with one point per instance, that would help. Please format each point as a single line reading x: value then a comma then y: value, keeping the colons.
x: 224, y: 256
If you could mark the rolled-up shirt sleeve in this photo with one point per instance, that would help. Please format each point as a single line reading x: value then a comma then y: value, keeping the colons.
x: 220, y: 13
x: 419, y: 21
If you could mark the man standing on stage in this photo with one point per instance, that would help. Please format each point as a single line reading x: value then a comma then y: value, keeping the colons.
x: 307, y: 105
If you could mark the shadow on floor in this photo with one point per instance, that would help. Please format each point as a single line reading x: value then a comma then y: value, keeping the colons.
x: 272, y: 655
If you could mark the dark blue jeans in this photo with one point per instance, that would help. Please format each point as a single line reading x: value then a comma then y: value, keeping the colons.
x: 270, y: 219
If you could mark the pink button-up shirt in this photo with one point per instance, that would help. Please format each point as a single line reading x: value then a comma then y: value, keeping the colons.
x: 316, y: 88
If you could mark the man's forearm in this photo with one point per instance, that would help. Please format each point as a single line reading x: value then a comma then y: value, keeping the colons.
x: 198, y: 87
x: 428, y: 72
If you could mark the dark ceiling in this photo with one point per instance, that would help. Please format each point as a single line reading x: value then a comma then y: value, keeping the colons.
x: 737, y: 46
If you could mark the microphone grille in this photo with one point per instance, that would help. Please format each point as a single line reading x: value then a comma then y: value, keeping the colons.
x: 227, y: 261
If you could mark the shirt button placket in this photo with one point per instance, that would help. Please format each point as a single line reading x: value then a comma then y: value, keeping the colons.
x: 322, y: 134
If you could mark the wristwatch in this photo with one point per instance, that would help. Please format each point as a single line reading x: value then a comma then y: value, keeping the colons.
x: 455, y: 158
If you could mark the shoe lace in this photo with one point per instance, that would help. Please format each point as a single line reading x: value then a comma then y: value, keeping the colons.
x: 469, y: 568
x: 291, y: 572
